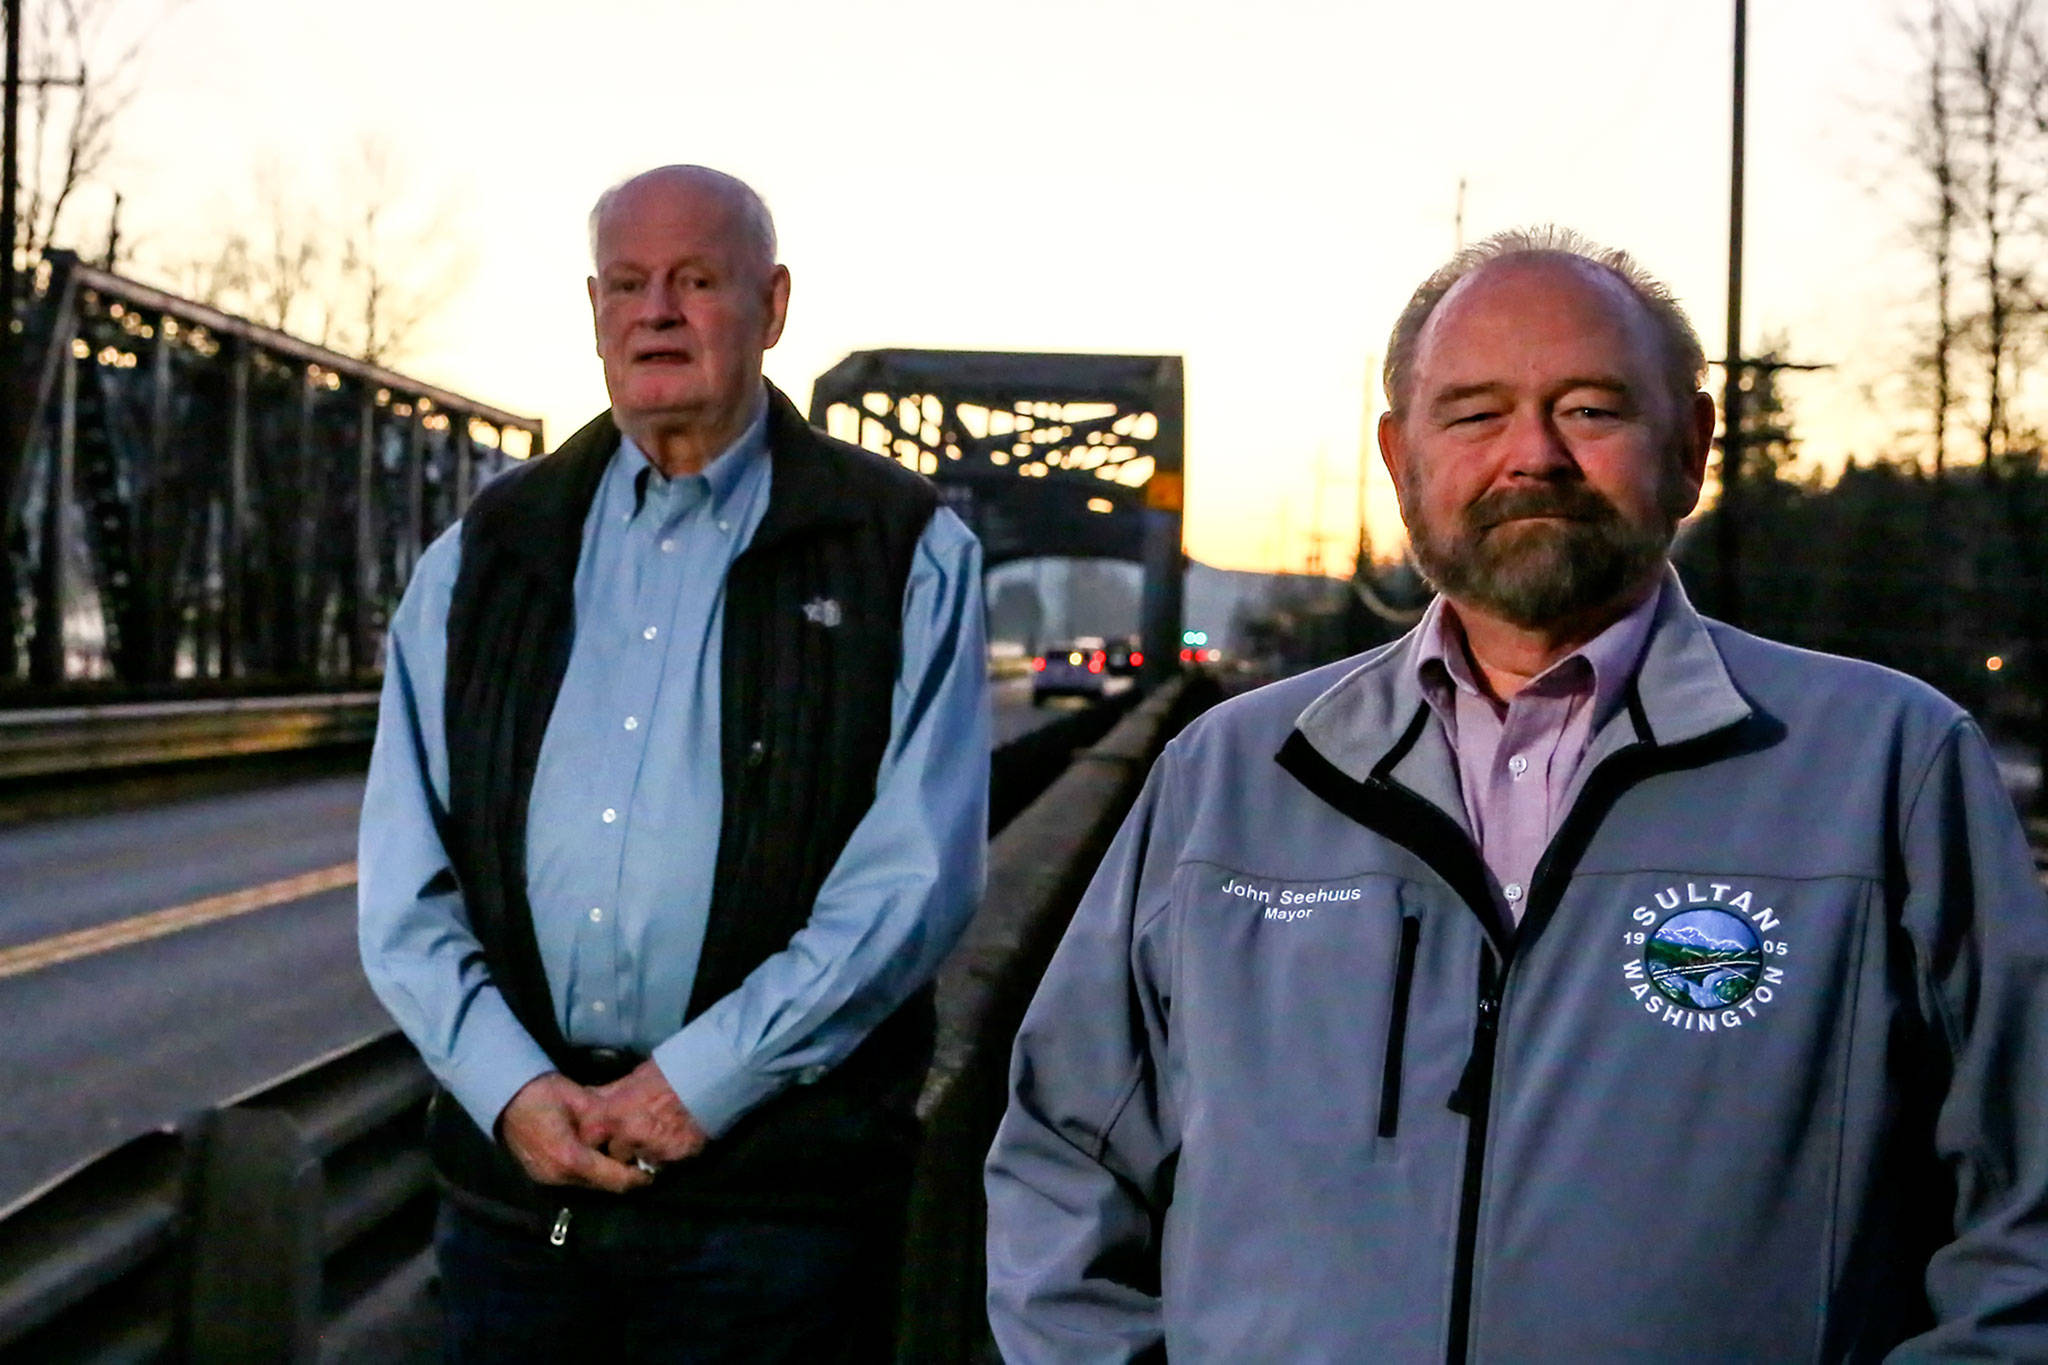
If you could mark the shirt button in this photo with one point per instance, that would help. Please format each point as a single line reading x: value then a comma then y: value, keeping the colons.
x: 597, y: 914
x: 610, y: 815
x: 1513, y: 891
x: 632, y: 722
x: 725, y: 526
x: 1518, y: 765
x: 668, y: 547
x: 597, y: 1007
x: 649, y: 633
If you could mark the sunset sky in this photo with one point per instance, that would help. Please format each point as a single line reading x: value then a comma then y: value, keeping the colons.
x: 1255, y: 187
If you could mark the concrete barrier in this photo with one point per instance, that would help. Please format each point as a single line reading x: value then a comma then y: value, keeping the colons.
x: 1038, y: 867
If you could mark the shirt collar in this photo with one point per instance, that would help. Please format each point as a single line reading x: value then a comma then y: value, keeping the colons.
x: 720, y: 478
x: 1443, y: 667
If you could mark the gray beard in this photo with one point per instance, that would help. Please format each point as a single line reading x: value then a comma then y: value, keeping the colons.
x: 1534, y: 574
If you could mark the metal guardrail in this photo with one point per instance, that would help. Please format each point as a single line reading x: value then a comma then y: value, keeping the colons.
x: 52, y: 741
x: 241, y: 1233
x: 57, y: 741
x: 230, y: 1235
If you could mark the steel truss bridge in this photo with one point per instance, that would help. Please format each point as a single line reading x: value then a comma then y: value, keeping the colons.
x: 1041, y: 454
x: 194, y: 500
x: 199, y: 504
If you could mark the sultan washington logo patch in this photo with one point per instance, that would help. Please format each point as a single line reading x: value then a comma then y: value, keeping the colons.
x: 1704, y: 959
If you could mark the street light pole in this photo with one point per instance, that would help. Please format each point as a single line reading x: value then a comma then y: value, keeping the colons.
x: 10, y: 446
x: 1728, y: 522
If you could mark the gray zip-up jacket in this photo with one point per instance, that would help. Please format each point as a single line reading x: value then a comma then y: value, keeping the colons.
x: 1763, y: 1075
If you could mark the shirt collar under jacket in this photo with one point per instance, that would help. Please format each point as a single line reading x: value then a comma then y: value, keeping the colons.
x: 1682, y: 687
x: 1443, y: 666
x: 718, y: 480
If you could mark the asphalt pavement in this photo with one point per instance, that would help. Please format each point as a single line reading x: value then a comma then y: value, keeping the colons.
x: 159, y: 961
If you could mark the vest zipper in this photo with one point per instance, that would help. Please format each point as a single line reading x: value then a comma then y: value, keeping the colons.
x: 560, y: 1235
x: 1397, y: 1027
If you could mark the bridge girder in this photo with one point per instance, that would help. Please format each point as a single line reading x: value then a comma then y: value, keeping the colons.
x: 1040, y: 453
x: 196, y: 497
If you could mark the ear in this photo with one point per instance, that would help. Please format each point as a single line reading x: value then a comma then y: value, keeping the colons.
x: 1393, y: 446
x: 778, y: 305
x: 1696, y: 442
x: 590, y: 287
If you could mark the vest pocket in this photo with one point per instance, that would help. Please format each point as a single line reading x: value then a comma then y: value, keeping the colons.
x: 1397, y: 1026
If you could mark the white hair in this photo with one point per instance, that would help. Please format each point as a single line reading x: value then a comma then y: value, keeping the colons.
x: 755, y: 220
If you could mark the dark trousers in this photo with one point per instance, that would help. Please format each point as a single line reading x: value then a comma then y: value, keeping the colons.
x: 688, y: 1289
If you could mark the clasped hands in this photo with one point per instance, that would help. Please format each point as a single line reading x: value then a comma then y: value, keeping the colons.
x: 567, y: 1134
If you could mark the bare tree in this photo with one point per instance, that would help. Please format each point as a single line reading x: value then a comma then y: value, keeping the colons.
x: 364, y: 279
x: 78, y: 79
x: 1935, y: 149
x: 400, y: 257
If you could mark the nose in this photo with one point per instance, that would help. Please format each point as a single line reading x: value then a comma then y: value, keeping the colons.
x: 663, y: 299
x: 1536, y: 449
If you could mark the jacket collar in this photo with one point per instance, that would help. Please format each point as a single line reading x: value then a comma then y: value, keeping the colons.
x: 1374, y: 722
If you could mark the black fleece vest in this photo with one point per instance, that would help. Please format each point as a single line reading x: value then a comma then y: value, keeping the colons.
x: 811, y: 647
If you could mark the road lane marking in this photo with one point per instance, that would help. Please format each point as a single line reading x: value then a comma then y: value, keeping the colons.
x: 49, y: 952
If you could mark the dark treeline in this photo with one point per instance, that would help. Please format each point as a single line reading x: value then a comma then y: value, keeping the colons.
x: 1933, y: 559
x: 1944, y: 579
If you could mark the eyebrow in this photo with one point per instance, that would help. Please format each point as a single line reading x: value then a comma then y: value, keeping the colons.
x: 1458, y: 393
x: 691, y: 262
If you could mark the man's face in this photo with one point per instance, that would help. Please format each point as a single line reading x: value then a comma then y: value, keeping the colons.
x: 1542, y: 460
x: 682, y: 302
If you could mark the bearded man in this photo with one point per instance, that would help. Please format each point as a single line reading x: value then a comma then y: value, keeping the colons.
x: 1574, y: 978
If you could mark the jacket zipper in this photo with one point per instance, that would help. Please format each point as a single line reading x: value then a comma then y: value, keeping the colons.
x: 1473, y: 1096
x: 1474, y: 1099
x: 560, y: 1235
x: 1397, y: 1027
x: 1442, y: 843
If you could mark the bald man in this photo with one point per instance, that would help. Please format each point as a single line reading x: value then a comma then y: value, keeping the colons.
x: 678, y: 798
x: 1574, y: 979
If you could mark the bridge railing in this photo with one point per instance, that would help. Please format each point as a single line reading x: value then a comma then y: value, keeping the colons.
x: 190, y: 495
x: 248, y: 1231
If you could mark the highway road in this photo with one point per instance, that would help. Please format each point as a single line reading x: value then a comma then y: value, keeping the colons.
x: 156, y: 962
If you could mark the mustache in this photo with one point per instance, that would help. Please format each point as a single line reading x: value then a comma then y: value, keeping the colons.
x: 1571, y: 501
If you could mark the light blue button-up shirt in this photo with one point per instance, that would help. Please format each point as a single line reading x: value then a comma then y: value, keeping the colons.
x: 624, y: 818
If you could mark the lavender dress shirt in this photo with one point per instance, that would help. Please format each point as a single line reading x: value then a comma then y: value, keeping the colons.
x: 1517, y: 761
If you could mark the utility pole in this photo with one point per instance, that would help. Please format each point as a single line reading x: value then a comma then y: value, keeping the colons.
x: 1728, y: 522
x: 1362, y: 564
x: 1315, y: 533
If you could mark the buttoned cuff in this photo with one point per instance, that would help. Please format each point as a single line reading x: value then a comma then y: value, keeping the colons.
x: 494, y: 1058
x: 718, y: 1092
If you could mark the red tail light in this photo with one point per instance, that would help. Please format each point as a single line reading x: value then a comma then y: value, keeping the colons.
x: 1095, y: 662
x: 1038, y: 664
x: 1187, y: 656
x: 1137, y: 659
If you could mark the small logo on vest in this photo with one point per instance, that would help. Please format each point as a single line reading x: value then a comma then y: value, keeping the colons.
x: 1706, y: 960
x: 823, y: 611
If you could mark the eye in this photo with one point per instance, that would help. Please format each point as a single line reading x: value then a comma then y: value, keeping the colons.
x: 625, y: 286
